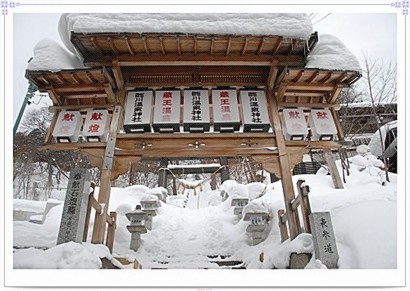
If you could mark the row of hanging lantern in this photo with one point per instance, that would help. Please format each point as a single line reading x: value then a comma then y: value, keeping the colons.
x: 196, y: 116
x: 196, y: 113
x: 94, y: 128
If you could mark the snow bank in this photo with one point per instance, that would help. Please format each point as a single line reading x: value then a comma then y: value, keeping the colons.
x: 65, y: 256
x: 51, y: 56
x: 29, y: 205
x: 331, y: 54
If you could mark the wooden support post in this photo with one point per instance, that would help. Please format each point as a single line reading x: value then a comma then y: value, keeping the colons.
x: 111, y: 231
x: 163, y: 176
x: 337, y: 181
x: 287, y: 184
x: 284, y: 234
x: 225, y: 170
x: 305, y: 204
x: 105, y: 179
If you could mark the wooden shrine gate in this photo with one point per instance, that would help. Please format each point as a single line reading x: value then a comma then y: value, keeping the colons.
x: 123, y: 62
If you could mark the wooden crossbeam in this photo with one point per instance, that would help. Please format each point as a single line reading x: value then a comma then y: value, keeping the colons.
x: 119, y: 79
x: 273, y: 72
x: 276, y: 48
x: 313, y: 77
x: 179, y: 45
x: 335, y: 93
x: 53, y: 95
x: 297, y: 78
x: 326, y: 78
x: 262, y: 43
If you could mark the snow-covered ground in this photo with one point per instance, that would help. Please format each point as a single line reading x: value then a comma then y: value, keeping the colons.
x: 187, y: 231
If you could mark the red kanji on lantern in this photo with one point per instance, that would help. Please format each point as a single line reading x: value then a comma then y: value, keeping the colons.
x: 166, y: 110
x: 294, y: 115
x: 225, y: 109
x: 321, y: 115
x: 167, y: 95
x: 68, y: 117
x: 96, y: 116
x: 225, y: 102
x: 93, y: 128
x: 166, y: 102
x: 224, y: 94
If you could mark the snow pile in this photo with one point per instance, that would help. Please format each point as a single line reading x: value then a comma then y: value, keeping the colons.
x: 50, y: 56
x: 296, y: 25
x: 65, y: 256
x: 331, y: 54
x: 29, y: 205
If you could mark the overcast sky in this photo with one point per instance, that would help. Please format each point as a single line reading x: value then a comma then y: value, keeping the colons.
x: 374, y: 34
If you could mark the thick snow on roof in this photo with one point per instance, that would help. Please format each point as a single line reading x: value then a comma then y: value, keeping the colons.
x: 51, y: 56
x: 296, y: 25
x: 331, y: 54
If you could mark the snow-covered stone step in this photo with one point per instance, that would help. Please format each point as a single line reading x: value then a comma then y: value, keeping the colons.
x: 196, y: 262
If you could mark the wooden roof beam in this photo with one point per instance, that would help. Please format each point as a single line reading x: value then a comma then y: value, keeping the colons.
x: 300, y: 75
x: 335, y: 93
x: 313, y: 77
x: 262, y: 43
x: 245, y: 46
x: 96, y: 45
x: 53, y: 95
x: 110, y: 93
x: 119, y: 79
x: 195, y: 45
x: 212, y: 45
x: 79, y: 88
x: 129, y: 46
x: 179, y: 45
x: 144, y: 41
x: 310, y: 87
x: 276, y: 48
x: 161, y: 43
x: 281, y: 93
x: 228, y: 47
x: 326, y: 78
x: 112, y: 46
x: 59, y: 78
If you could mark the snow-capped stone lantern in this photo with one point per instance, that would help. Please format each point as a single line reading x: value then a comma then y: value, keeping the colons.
x: 294, y: 123
x: 149, y: 205
x: 96, y: 126
x: 68, y: 126
x: 137, y: 226
x: 322, y: 124
x: 239, y: 204
x: 138, y: 112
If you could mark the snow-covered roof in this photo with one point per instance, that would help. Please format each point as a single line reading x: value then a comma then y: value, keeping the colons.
x: 330, y: 53
x: 51, y: 56
x: 296, y: 25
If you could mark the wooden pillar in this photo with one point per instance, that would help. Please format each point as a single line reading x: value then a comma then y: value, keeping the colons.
x: 286, y: 175
x: 105, y: 179
x: 225, y: 170
x: 163, y: 176
x: 334, y: 172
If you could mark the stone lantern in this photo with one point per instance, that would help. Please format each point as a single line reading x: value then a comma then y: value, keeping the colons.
x: 239, y: 204
x: 257, y: 226
x: 137, y: 226
x: 149, y: 206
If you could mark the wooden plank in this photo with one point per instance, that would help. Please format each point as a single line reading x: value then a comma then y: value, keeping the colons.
x: 284, y: 234
x: 110, y: 93
x: 79, y: 88
x: 179, y: 45
x: 310, y: 86
x: 305, y: 205
x: 297, y: 78
x: 281, y: 94
x: 111, y: 231
x: 307, y: 105
x: 195, y: 45
x: 277, y: 46
x: 313, y: 77
x: 96, y: 45
x: 335, y: 115
x: 326, y: 78
x: 84, y: 107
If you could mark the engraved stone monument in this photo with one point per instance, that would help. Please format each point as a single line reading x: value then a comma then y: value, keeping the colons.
x: 75, y: 207
x: 324, y: 239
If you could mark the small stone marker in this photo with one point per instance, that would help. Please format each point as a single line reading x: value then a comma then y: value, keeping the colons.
x: 75, y: 207
x: 324, y: 239
x: 257, y: 226
x: 239, y: 204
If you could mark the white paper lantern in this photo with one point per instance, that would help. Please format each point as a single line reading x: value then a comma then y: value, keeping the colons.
x: 138, y: 112
x: 225, y: 109
x: 294, y: 124
x: 96, y: 126
x: 68, y: 125
x: 255, y: 111
x: 322, y: 124
x: 196, y: 111
x: 167, y: 111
